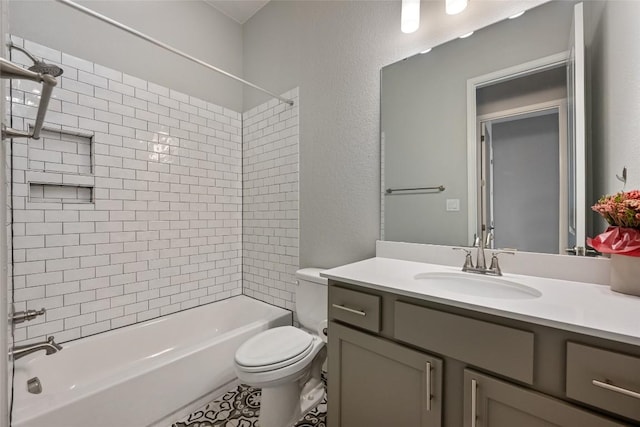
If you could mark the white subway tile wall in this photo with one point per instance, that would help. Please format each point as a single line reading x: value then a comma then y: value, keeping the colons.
x: 162, y: 232
x: 270, y: 226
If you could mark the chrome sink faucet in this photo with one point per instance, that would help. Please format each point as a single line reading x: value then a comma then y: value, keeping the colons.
x: 481, y: 260
x: 49, y: 346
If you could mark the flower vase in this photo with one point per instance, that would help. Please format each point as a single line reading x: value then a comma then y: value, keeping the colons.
x: 625, y: 274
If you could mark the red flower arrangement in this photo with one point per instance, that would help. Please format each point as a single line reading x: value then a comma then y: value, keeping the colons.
x: 622, y: 212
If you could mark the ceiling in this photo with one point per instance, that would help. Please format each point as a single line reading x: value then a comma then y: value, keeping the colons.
x: 238, y: 10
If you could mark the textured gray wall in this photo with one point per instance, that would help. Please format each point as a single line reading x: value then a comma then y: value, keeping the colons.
x: 615, y: 80
x: 334, y: 51
x: 192, y: 26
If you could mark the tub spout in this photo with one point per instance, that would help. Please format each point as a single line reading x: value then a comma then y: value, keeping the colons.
x: 49, y: 346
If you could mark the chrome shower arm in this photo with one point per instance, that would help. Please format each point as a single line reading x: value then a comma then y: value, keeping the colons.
x: 12, y: 45
x: 9, y: 70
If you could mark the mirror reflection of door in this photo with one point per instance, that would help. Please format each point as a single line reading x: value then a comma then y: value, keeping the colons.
x: 524, y: 177
x: 522, y: 149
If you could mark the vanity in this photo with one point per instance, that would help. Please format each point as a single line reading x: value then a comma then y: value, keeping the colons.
x: 404, y: 351
x: 416, y: 342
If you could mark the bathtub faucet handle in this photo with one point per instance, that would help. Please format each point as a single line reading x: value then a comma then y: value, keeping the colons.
x: 24, y: 316
x: 54, y: 344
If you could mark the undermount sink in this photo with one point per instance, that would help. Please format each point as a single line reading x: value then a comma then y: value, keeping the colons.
x: 478, y: 285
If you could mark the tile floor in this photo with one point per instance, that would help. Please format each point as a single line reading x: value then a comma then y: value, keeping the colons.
x: 240, y: 407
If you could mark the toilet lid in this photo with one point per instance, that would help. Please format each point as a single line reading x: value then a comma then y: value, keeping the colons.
x: 273, y: 346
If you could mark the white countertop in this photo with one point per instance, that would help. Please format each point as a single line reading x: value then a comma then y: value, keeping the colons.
x: 585, y: 308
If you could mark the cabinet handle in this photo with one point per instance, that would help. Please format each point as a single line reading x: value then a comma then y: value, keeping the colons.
x: 428, y: 378
x: 350, y: 310
x: 615, y: 388
x: 474, y: 402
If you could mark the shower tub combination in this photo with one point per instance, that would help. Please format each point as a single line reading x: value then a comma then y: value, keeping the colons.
x: 141, y: 374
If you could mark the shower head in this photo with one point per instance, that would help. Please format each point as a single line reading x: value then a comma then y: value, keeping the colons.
x: 38, y: 66
x: 44, y: 68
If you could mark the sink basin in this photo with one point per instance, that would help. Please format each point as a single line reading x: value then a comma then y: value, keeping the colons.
x: 478, y: 285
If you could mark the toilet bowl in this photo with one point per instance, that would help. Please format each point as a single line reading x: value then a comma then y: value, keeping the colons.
x: 286, y: 362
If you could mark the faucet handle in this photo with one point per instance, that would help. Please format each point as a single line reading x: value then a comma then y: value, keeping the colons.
x: 25, y: 316
x: 53, y: 343
x: 495, y: 265
x: 468, y: 260
x: 468, y: 251
x: 505, y: 251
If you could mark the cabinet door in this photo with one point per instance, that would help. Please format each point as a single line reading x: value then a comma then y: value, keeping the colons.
x: 377, y: 383
x: 489, y: 402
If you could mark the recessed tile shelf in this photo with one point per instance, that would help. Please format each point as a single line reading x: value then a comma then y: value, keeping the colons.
x: 52, y: 193
x: 61, y: 151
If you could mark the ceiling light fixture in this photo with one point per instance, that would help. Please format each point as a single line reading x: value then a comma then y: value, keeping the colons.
x: 410, y: 16
x: 425, y: 51
x: 517, y: 15
x: 464, y: 36
x: 453, y: 7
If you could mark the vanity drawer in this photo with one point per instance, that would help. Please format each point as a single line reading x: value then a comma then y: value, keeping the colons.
x: 604, y: 379
x: 355, y: 308
x: 500, y: 349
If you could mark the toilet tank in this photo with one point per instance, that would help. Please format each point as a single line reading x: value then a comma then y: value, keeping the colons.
x: 311, y: 298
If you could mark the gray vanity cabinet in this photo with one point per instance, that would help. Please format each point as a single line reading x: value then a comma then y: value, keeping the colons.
x: 378, y: 383
x: 490, y: 402
x: 386, y: 351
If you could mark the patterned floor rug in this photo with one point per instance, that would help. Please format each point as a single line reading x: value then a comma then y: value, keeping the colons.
x: 240, y: 407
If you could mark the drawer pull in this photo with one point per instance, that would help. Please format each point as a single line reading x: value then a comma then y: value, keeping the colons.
x: 474, y: 402
x: 428, y: 387
x: 615, y: 388
x: 350, y: 310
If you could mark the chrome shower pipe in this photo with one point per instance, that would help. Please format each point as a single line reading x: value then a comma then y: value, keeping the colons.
x: 165, y: 46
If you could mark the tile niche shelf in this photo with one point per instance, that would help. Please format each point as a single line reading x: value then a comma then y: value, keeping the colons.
x: 54, y: 193
x: 61, y: 151
x: 60, y: 167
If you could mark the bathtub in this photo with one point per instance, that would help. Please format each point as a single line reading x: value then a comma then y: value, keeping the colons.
x: 140, y: 374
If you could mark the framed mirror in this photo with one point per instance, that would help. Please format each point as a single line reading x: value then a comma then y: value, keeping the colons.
x: 485, y: 136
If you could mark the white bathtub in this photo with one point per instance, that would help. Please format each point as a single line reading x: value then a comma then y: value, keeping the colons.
x: 138, y: 375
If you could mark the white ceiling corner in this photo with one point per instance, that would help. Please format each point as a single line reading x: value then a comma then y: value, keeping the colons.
x: 238, y: 10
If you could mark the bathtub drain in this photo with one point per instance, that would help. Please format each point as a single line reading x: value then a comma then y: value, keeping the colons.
x: 34, y: 386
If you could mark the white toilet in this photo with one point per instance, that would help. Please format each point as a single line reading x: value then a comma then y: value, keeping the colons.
x: 286, y: 362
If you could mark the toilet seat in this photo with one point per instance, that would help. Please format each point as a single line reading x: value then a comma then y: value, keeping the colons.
x: 274, y: 349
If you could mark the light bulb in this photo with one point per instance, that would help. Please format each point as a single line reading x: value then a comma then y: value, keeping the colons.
x: 453, y: 7
x: 410, y: 16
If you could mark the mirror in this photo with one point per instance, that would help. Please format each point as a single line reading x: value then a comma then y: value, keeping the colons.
x: 479, y: 132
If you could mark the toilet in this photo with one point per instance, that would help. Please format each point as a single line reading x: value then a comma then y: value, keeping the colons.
x: 286, y: 362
